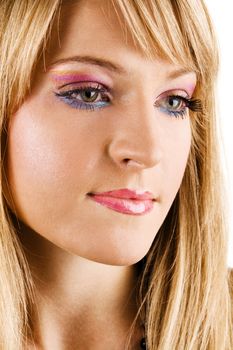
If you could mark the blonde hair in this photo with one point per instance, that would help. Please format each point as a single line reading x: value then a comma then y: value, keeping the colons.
x: 184, y: 290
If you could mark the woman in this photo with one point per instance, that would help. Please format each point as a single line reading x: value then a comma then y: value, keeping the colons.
x: 113, y: 233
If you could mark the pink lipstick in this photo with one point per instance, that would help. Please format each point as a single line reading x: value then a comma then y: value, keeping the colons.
x: 125, y: 201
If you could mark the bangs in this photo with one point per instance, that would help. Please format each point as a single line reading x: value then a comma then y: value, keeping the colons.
x: 179, y: 32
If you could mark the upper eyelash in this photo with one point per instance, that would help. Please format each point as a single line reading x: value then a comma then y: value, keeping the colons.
x: 193, y: 104
x: 83, y: 105
x: 69, y: 92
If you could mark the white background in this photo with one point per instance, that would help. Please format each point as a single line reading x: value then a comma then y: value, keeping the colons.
x: 221, y: 14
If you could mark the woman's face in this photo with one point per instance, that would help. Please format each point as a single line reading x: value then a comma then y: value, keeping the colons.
x: 127, y: 135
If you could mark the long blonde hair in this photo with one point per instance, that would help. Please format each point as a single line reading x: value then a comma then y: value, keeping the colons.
x: 184, y: 290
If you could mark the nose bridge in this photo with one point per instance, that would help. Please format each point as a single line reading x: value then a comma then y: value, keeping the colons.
x: 137, y: 137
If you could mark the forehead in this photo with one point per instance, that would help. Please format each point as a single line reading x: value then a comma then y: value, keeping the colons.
x: 88, y: 25
x: 87, y: 28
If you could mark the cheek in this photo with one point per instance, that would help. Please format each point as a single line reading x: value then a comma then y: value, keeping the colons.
x: 44, y: 163
x: 176, y: 152
x: 179, y: 143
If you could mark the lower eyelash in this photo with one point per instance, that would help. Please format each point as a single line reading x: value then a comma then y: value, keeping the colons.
x: 181, y: 113
x: 79, y: 105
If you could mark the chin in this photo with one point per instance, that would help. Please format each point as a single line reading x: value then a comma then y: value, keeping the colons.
x: 119, y: 258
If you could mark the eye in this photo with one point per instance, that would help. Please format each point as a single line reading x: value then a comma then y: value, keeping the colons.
x: 89, y: 96
x: 174, y: 102
x: 173, y: 105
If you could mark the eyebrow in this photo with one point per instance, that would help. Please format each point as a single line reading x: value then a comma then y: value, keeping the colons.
x: 177, y: 73
x: 111, y: 66
x: 100, y: 62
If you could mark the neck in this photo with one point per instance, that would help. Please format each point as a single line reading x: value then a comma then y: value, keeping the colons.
x: 77, y: 297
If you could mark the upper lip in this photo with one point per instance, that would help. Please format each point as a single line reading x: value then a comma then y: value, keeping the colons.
x: 125, y: 193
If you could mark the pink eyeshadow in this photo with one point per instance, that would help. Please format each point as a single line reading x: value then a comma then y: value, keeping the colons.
x: 74, y: 77
x: 190, y: 89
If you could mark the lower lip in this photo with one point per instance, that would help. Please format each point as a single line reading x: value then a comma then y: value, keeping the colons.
x: 125, y: 206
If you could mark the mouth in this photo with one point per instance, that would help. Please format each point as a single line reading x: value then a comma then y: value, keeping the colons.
x: 126, y: 193
x: 125, y: 201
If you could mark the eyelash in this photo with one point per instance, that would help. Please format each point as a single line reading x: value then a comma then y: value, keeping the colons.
x: 66, y: 96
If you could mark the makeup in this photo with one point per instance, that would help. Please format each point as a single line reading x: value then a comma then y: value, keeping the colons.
x: 75, y: 77
x: 125, y: 206
x: 126, y: 193
x: 188, y: 90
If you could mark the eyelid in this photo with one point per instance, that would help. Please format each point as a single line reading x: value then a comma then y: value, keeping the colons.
x: 176, y: 92
x: 85, y: 84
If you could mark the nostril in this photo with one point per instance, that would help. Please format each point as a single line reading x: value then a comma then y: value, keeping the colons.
x: 129, y: 161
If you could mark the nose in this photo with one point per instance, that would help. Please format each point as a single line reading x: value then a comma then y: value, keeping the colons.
x: 136, y: 142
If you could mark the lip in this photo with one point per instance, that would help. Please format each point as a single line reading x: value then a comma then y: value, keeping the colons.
x: 125, y: 193
x: 125, y: 201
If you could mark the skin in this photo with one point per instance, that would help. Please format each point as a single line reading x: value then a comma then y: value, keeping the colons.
x: 82, y: 254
